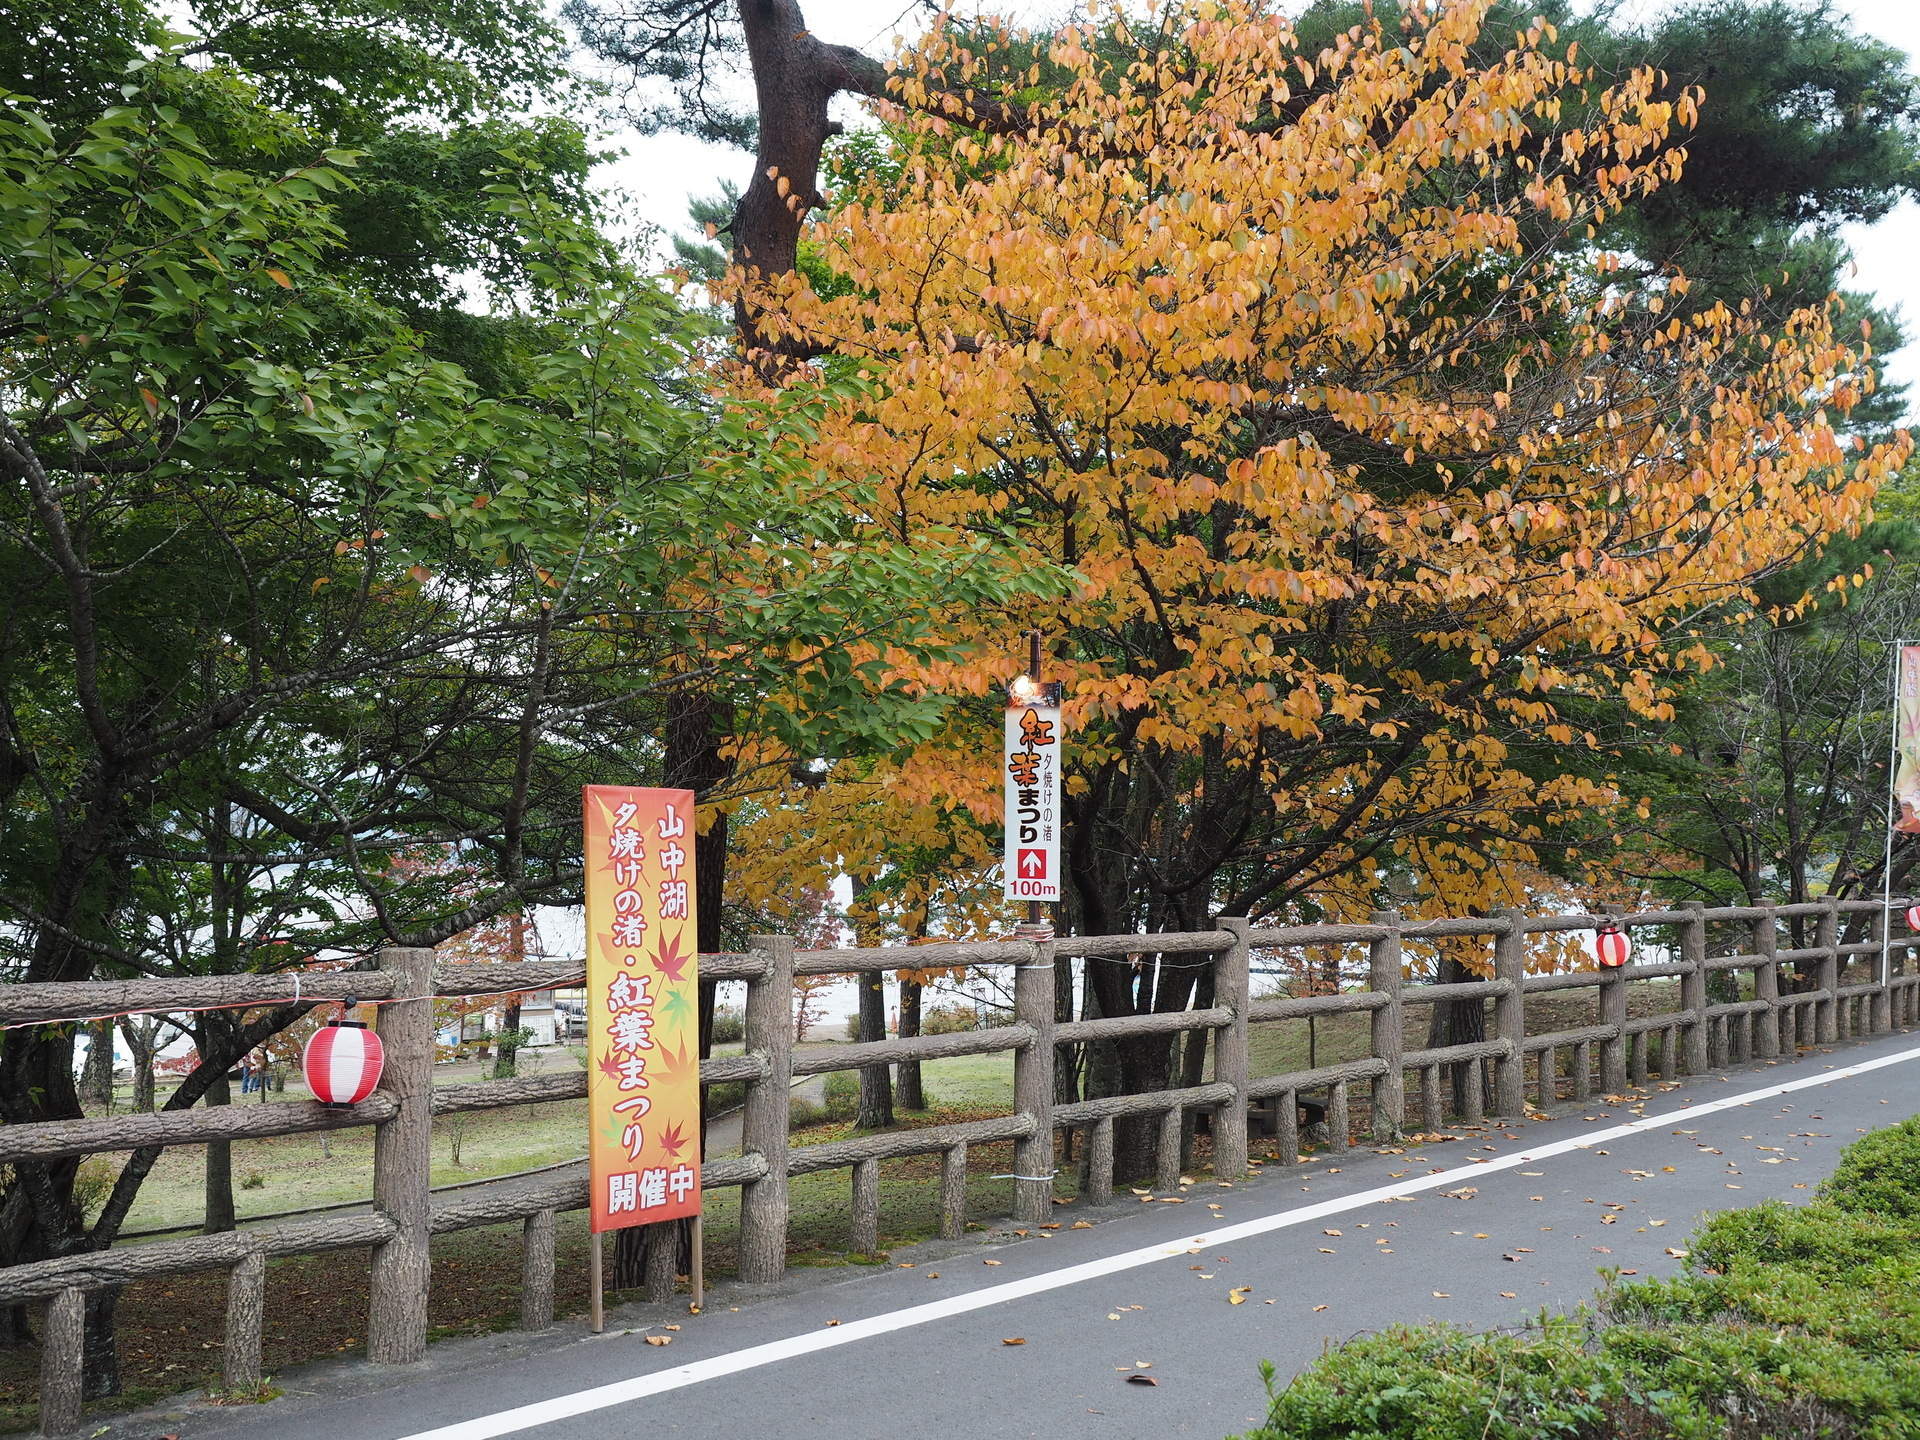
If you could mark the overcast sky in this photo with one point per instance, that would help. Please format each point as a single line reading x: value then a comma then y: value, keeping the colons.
x: 660, y: 172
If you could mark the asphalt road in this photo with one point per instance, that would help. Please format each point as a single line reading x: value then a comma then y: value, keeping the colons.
x: 1316, y: 1254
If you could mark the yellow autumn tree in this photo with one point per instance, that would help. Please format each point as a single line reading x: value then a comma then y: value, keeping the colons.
x: 1380, y: 485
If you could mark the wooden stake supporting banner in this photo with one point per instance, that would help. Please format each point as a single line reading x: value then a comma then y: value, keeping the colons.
x: 699, y: 1275
x: 594, y: 1292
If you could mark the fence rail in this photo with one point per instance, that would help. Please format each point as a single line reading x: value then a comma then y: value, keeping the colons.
x: 1731, y: 1008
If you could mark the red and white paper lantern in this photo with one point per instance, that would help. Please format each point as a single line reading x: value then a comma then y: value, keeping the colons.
x: 1611, y: 945
x: 342, y: 1062
x: 1913, y: 919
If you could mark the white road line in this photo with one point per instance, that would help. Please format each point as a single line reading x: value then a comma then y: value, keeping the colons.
x: 619, y: 1392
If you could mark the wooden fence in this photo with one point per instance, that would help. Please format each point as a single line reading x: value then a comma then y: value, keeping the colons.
x: 1692, y: 1038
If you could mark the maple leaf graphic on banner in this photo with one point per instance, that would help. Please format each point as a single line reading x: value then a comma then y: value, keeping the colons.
x: 673, y: 1141
x: 609, y: 1067
x: 669, y: 1066
x: 673, y: 1005
x: 669, y: 961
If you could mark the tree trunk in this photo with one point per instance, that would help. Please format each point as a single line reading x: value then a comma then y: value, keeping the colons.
x: 910, y: 1095
x: 505, y: 1062
x: 795, y: 77
x: 219, y: 1166
x: 1139, y: 1063
x: 96, y: 1079
x: 1460, y: 1022
x: 876, y: 1082
x: 141, y: 1047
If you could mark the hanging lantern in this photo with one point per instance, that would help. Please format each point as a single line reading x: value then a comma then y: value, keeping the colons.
x: 342, y: 1063
x: 1612, y: 946
x: 1913, y: 919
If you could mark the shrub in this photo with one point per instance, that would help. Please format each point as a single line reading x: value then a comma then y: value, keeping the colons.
x: 949, y: 1019
x: 92, y: 1183
x: 1791, y: 1323
x: 802, y: 1112
x: 253, y: 1180
x: 1879, y: 1174
x: 729, y: 1025
x: 843, y: 1094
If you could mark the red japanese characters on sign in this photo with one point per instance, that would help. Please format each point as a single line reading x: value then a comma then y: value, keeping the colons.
x: 1031, y: 859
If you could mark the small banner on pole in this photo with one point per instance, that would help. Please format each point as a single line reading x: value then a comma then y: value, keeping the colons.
x: 643, y: 1052
x: 1032, y: 773
x: 1906, y: 743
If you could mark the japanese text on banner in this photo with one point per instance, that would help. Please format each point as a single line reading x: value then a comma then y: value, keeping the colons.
x: 1906, y: 743
x: 643, y: 1063
x: 1031, y: 860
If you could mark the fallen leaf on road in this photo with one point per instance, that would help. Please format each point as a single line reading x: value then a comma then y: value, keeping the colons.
x: 1479, y: 1236
x: 1604, y: 1249
x: 1508, y: 1295
x: 1239, y: 1296
x: 1318, y: 1308
x: 1533, y: 1174
x: 1678, y: 1253
x: 1016, y: 1340
x: 1629, y: 1272
x: 831, y: 1323
x: 669, y: 1327
x: 1329, y: 1232
x: 1139, y: 1379
x: 1522, y: 1250
x: 990, y: 1262
x: 668, y: 1339
x: 1514, y: 1258
x: 933, y: 1274
x: 1325, y: 1251
x: 1441, y: 1295
x: 1172, y: 1200
x: 1668, y: 1170
x: 1054, y: 1226
x: 1083, y: 1225
x: 1112, y: 1316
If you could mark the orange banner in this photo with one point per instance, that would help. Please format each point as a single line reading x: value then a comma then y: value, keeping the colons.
x: 643, y: 1050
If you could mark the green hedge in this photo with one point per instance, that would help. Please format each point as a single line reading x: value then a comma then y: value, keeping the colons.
x: 1789, y: 1322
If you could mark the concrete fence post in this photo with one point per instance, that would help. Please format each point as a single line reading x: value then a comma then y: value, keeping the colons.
x: 1881, y: 1008
x: 1232, y: 983
x: 1385, y: 975
x: 536, y: 1271
x: 1033, y: 999
x: 1693, y: 983
x: 1510, y: 1014
x: 763, y: 1126
x: 63, y: 1339
x: 1827, y: 938
x: 402, y: 1163
x: 1766, y: 986
x: 246, y: 1322
x: 1613, y: 1012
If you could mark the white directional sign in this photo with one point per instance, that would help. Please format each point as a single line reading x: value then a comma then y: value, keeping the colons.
x: 1031, y: 860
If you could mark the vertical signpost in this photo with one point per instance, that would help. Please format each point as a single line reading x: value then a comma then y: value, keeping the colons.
x: 1903, y: 809
x: 643, y: 1060
x: 1031, y: 859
